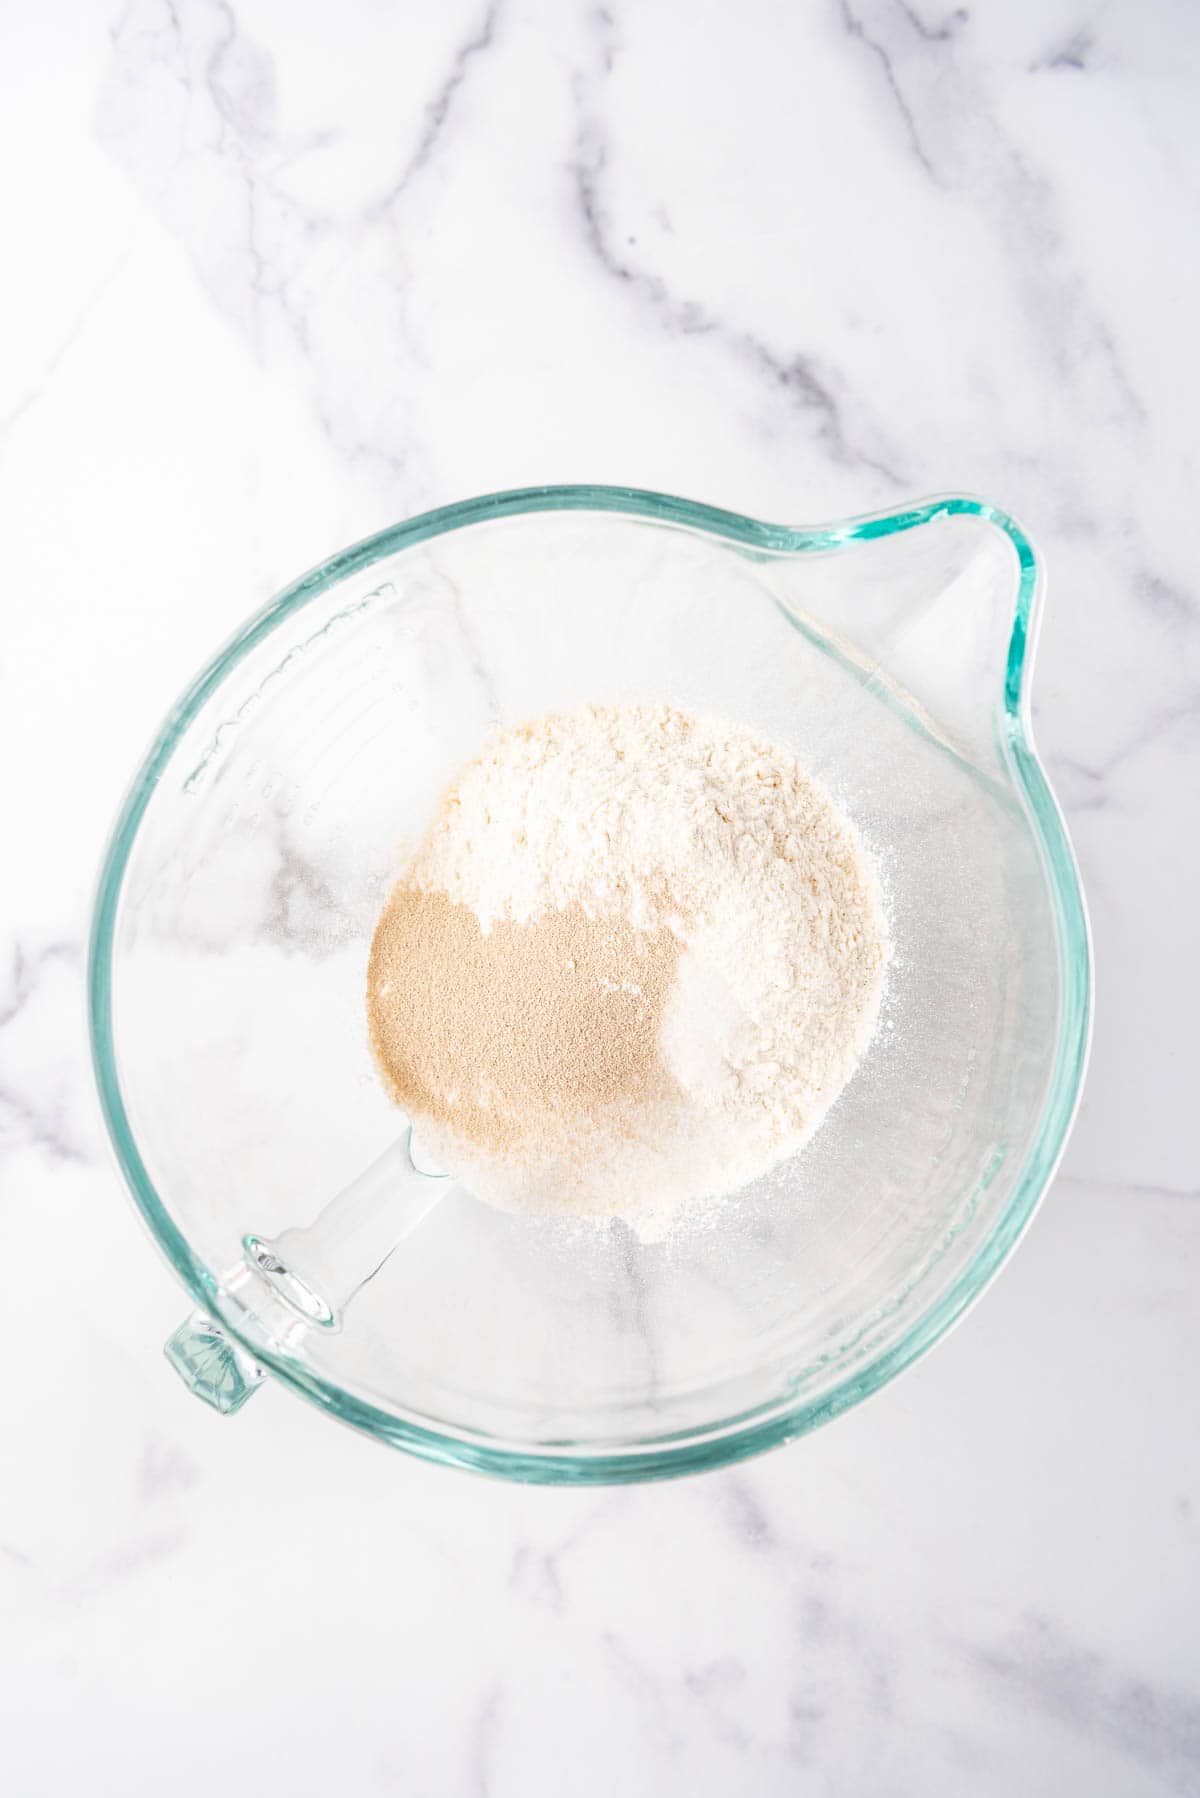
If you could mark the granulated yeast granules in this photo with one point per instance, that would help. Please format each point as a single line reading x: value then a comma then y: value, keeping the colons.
x: 634, y: 960
x: 505, y: 1037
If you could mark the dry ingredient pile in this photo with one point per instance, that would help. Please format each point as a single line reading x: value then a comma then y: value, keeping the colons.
x: 633, y: 962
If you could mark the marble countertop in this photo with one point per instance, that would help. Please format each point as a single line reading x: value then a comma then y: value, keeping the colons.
x: 278, y: 276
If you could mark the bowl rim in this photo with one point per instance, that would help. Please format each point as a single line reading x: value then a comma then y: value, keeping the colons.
x: 732, y: 1439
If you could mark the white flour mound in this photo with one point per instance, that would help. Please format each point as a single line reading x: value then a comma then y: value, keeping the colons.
x: 658, y: 817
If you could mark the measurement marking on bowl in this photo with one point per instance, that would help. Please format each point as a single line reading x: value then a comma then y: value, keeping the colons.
x: 292, y: 787
x: 386, y: 590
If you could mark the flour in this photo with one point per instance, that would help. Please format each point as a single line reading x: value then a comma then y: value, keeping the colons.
x: 689, y: 832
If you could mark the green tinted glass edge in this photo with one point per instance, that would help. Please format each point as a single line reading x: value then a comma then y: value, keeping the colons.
x: 737, y: 1437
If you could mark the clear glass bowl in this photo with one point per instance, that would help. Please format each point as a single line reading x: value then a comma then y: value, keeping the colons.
x: 251, y: 857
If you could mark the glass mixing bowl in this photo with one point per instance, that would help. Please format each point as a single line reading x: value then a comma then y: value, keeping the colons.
x: 891, y: 654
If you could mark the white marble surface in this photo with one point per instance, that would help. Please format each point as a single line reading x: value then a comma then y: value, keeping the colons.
x: 279, y: 274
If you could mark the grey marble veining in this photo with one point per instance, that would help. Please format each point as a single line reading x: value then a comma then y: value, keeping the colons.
x: 278, y: 277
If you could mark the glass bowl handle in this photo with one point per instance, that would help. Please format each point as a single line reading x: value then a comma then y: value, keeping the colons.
x: 211, y: 1364
x: 306, y: 1277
